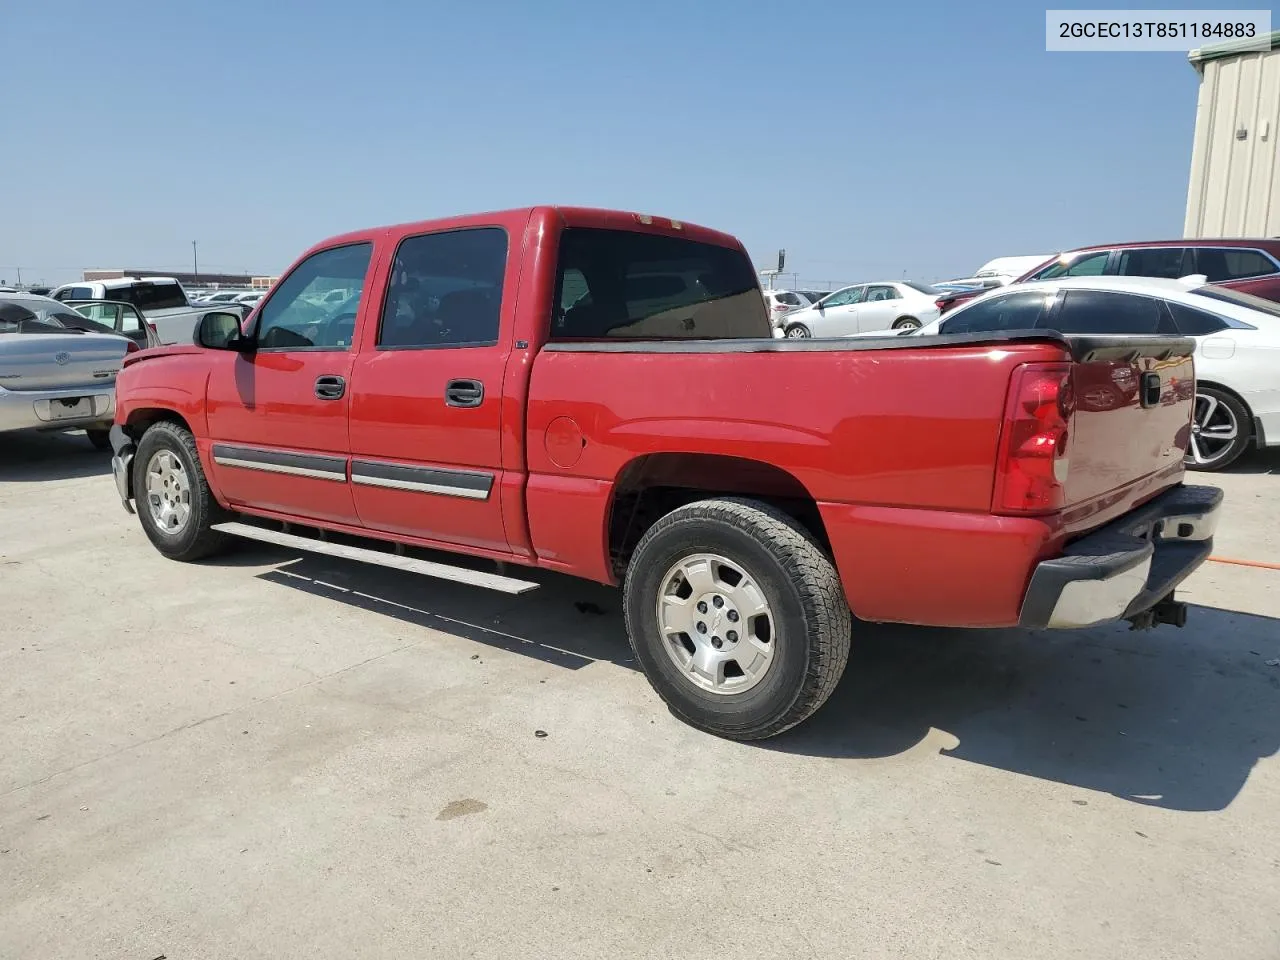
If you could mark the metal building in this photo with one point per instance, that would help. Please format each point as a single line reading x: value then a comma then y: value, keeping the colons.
x: 1235, y: 175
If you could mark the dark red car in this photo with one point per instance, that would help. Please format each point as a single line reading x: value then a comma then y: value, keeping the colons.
x: 1251, y: 266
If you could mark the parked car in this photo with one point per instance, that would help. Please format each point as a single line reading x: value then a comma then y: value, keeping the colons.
x: 220, y: 296
x: 111, y: 316
x: 160, y: 299
x: 862, y: 307
x: 53, y: 377
x: 504, y: 386
x: 1237, y: 338
x: 1250, y: 266
x: 782, y: 302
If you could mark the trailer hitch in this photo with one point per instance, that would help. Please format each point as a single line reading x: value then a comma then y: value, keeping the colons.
x: 1167, y: 610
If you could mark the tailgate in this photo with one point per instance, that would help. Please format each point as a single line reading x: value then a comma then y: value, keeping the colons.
x: 1133, y: 400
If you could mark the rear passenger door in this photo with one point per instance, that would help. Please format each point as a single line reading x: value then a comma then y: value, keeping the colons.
x: 426, y: 397
x: 879, y: 308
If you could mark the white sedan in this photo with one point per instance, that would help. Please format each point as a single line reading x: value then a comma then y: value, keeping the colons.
x: 864, y: 307
x: 1237, y: 344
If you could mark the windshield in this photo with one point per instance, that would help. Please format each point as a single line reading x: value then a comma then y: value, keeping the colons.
x: 1269, y: 307
x: 927, y: 289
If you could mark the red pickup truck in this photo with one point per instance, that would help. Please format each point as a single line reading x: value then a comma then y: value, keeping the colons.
x: 598, y: 393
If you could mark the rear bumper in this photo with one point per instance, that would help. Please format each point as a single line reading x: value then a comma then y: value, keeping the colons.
x: 1128, y: 566
x: 37, y: 409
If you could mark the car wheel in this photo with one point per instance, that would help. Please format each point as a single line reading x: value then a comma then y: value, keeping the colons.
x: 906, y: 323
x: 737, y: 618
x: 175, y: 505
x: 798, y: 331
x: 101, y: 439
x: 1220, y: 430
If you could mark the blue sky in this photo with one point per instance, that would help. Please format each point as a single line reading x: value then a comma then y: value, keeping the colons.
x: 869, y: 140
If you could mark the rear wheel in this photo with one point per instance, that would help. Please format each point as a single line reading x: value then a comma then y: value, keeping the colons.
x: 798, y: 331
x: 737, y: 618
x: 906, y: 323
x: 1220, y: 430
x: 101, y: 439
x: 175, y: 505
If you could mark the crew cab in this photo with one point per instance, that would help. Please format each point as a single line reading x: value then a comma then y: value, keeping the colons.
x: 597, y: 393
x: 161, y: 300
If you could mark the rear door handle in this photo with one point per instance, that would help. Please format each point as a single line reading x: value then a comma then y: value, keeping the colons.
x: 464, y: 393
x: 330, y: 388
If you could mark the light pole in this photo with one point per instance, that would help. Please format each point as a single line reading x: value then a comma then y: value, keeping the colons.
x: 195, y: 266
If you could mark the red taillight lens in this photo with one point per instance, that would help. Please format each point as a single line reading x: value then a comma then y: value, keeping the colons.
x: 941, y: 303
x: 1031, y: 468
x: 132, y: 347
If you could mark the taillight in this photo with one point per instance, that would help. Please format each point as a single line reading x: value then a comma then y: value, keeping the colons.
x: 132, y: 346
x: 152, y: 328
x: 941, y: 303
x: 1031, y: 468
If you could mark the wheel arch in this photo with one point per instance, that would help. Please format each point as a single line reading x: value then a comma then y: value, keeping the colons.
x: 651, y: 485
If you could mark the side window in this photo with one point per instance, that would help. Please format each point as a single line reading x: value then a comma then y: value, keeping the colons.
x: 1086, y: 265
x: 844, y: 298
x: 156, y: 296
x: 1195, y: 323
x: 876, y: 294
x: 1102, y: 312
x: 640, y: 286
x: 76, y: 293
x: 1167, y: 262
x: 445, y: 290
x: 99, y: 312
x: 295, y: 318
x: 790, y: 299
x: 1015, y: 311
x: 1219, y: 264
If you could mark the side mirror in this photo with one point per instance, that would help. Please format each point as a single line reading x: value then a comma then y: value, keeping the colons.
x: 221, y: 331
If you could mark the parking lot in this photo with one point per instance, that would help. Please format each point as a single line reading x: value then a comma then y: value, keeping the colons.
x: 274, y: 756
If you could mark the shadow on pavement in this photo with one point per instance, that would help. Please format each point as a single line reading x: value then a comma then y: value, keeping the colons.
x: 1169, y: 718
x: 1256, y: 462
x: 31, y: 457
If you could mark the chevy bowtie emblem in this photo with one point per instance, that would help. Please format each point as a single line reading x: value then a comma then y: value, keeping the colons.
x: 62, y: 358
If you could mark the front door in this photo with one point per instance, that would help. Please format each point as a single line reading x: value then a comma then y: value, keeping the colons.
x: 426, y: 397
x: 839, y: 314
x: 278, y: 415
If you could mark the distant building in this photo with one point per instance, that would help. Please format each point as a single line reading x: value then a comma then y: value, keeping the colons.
x: 1235, y: 174
x: 202, y: 280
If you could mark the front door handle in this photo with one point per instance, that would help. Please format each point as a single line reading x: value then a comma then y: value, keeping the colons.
x: 330, y: 388
x: 464, y: 393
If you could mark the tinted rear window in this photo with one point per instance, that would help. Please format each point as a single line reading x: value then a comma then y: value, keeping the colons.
x: 150, y: 296
x: 618, y: 284
x: 1102, y: 312
x: 1219, y: 264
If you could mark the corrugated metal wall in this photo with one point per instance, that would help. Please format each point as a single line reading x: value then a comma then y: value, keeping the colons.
x: 1235, y: 183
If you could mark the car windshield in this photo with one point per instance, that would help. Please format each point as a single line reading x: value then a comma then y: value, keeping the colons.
x: 927, y: 289
x: 1269, y: 307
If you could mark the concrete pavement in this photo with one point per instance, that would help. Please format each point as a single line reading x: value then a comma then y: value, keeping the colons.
x: 267, y: 755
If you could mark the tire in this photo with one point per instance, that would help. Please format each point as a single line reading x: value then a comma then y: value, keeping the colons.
x: 1217, y: 414
x: 906, y: 323
x: 797, y: 331
x: 808, y: 621
x: 101, y: 439
x: 192, y: 539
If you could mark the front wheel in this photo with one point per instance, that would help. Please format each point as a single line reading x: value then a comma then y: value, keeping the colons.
x: 1220, y: 430
x: 798, y: 331
x: 906, y: 323
x: 737, y: 618
x: 175, y: 505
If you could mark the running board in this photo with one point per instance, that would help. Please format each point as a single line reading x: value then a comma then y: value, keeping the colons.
x: 441, y: 571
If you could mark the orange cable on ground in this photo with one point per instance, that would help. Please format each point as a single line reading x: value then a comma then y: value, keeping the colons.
x: 1247, y: 563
